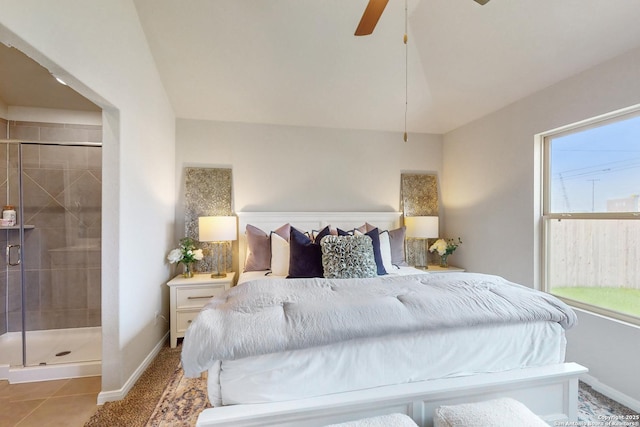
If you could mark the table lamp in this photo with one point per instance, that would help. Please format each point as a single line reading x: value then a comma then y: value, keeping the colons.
x: 219, y: 230
x: 423, y: 228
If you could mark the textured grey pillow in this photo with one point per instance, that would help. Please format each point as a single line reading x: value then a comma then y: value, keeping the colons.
x: 345, y: 257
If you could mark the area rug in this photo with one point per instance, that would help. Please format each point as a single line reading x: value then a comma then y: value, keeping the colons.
x: 597, y: 409
x: 141, y: 401
x: 182, y: 401
x: 164, y: 397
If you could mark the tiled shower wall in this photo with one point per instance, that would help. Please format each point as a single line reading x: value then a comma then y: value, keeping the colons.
x: 62, y: 202
x: 54, y: 132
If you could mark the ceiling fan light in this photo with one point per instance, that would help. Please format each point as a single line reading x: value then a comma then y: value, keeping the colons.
x: 482, y: 2
x: 59, y: 80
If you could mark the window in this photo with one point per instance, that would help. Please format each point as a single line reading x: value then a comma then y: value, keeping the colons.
x: 592, y: 216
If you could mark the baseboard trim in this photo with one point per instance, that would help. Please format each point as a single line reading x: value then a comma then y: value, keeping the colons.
x: 119, y: 394
x: 611, y: 392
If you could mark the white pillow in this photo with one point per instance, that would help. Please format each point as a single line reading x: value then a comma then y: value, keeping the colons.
x: 385, y: 251
x: 279, y: 255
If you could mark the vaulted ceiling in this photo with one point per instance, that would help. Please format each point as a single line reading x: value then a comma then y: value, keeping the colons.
x: 297, y: 62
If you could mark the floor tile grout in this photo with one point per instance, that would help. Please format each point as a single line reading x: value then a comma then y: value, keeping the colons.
x: 49, y: 400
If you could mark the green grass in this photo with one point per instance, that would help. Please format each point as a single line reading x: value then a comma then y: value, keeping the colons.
x: 624, y: 300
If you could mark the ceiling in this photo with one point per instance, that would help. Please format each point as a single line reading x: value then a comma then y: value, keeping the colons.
x: 297, y: 62
x: 25, y: 83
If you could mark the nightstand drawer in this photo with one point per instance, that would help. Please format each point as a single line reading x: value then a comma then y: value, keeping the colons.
x: 197, y: 296
x: 184, y: 319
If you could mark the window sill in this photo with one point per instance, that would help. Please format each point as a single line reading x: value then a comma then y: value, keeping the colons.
x: 602, y: 313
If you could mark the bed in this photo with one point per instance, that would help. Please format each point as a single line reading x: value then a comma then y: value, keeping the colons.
x: 342, y: 373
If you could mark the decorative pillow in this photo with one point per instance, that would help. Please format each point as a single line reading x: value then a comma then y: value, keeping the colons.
x: 345, y: 257
x: 258, y: 249
x: 345, y: 233
x: 396, y: 239
x: 318, y: 235
x: 279, y: 255
x: 385, y: 251
x: 280, y: 250
x: 305, y: 259
x: 365, y: 228
x: 283, y: 231
x: 375, y: 240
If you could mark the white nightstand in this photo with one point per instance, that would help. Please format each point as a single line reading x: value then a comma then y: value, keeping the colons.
x: 437, y: 269
x: 188, y: 296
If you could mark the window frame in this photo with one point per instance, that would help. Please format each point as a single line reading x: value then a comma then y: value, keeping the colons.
x: 547, y: 216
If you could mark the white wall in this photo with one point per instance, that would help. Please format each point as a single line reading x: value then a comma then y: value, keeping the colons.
x: 489, y: 194
x: 286, y: 168
x: 98, y: 47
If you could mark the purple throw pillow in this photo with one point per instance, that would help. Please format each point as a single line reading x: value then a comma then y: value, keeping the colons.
x: 305, y: 256
x: 374, y: 234
x: 259, y: 248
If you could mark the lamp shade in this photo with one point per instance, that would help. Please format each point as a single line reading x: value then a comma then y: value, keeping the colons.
x: 217, y: 228
x: 422, y: 227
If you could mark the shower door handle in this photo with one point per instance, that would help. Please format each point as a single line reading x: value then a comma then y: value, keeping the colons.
x: 11, y: 251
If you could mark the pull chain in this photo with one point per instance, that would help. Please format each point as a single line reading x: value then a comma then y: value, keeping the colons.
x: 406, y: 71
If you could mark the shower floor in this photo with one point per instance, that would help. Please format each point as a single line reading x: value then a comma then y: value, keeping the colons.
x: 83, y: 344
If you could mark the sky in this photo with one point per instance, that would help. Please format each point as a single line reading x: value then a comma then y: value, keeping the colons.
x: 595, y: 165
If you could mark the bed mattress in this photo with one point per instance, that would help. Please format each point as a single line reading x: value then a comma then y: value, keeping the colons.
x: 373, y: 362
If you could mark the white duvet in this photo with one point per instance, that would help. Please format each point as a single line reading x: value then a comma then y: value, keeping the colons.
x: 257, y: 318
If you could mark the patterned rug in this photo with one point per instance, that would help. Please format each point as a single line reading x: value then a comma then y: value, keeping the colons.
x: 181, y: 402
x: 593, y: 408
x: 597, y: 409
x: 163, y: 397
x: 143, y: 398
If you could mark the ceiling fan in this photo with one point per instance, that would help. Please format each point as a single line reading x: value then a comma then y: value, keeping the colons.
x: 372, y: 14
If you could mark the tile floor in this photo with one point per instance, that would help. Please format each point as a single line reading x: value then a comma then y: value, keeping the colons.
x: 64, y: 403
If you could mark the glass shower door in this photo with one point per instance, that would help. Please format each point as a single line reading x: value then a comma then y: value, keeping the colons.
x: 62, y: 200
x: 53, y: 254
x: 11, y: 337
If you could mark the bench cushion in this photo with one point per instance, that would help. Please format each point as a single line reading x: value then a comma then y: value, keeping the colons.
x: 392, y: 420
x: 497, y: 412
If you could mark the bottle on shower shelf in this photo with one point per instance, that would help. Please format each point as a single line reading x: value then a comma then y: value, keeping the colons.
x: 9, y: 216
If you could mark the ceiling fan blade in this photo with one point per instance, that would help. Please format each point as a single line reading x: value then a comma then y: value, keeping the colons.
x: 370, y: 17
x: 482, y: 2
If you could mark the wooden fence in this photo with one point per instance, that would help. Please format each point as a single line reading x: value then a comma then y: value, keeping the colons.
x: 594, y: 253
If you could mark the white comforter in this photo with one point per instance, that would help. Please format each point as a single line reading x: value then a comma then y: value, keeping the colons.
x: 257, y: 318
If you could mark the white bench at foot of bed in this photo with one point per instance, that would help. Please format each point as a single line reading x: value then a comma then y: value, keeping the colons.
x: 551, y: 392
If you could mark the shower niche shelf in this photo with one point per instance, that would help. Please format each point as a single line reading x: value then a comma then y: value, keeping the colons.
x: 17, y: 227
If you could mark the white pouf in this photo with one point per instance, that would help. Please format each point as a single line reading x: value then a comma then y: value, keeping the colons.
x: 392, y: 420
x: 491, y: 413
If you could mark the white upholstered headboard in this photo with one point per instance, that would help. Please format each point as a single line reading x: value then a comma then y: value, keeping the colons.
x: 308, y: 221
